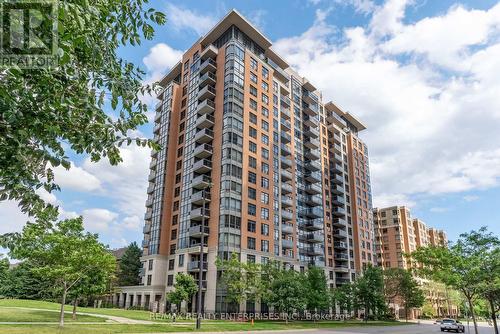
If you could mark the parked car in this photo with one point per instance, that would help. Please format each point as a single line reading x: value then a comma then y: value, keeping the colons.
x: 450, y: 325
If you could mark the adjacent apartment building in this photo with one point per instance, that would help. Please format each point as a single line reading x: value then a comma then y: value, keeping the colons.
x: 397, y: 234
x: 252, y: 162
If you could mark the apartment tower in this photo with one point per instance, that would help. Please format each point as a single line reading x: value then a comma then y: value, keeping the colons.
x: 253, y: 163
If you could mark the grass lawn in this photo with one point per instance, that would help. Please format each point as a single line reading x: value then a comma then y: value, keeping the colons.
x: 19, y: 315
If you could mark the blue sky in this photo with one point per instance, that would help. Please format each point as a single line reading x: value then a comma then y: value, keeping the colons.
x: 423, y: 76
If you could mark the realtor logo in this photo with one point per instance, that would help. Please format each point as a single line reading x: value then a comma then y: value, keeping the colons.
x: 28, y: 33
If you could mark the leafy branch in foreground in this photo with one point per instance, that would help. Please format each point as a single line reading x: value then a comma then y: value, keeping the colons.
x: 45, y: 112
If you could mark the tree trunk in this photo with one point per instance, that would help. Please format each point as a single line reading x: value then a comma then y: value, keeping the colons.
x: 473, y: 315
x: 75, y: 304
x: 63, y: 301
x: 493, y: 315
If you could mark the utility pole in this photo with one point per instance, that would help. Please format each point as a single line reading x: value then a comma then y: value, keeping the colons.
x: 201, y: 262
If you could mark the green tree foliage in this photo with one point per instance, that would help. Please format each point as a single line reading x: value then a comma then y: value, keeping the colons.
x: 343, y: 297
x: 184, y: 288
x: 317, y: 291
x: 369, y: 293
x: 22, y: 282
x: 130, y: 266
x: 401, y: 286
x: 63, y: 253
x: 288, y: 292
x: 45, y: 112
x: 462, y: 266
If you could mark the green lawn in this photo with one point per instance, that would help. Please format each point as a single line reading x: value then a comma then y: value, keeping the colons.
x: 20, y: 315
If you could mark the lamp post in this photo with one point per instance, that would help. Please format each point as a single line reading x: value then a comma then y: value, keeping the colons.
x: 201, y: 262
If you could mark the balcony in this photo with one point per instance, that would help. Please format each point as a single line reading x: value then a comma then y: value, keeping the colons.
x: 286, y: 215
x: 337, y: 200
x: 314, y: 200
x: 208, y: 65
x: 287, y: 244
x: 337, y: 179
x: 341, y: 268
x: 314, y: 250
x: 207, y: 79
x: 341, y: 257
x: 309, y: 97
x: 313, y: 189
x: 314, y: 225
x: 313, y: 212
x: 156, y: 128
x: 285, y: 113
x: 203, y: 151
x: 151, y: 176
x: 313, y: 165
x: 197, y: 231
x: 338, y: 158
x: 338, y: 222
x: 201, y: 182
x: 151, y: 188
x: 209, y: 52
x: 342, y: 280
x: 207, y: 92
x: 204, y: 136
x: 287, y: 228
x: 285, y: 150
x: 200, y: 196
x: 148, y: 215
x: 285, y: 101
x: 338, y: 212
x: 205, y: 121
x: 146, y: 229
x: 315, y: 237
x: 338, y: 190
x: 286, y: 175
x: 311, y: 132
x: 310, y: 109
x: 339, y: 233
x: 337, y: 148
x: 286, y: 202
x: 313, y: 177
x: 206, y: 107
x: 310, y: 121
x: 153, y: 163
x: 202, y: 166
x: 195, y: 265
x: 285, y: 125
x: 311, y: 154
x: 286, y: 188
x: 149, y: 203
x: 145, y: 243
x: 285, y: 137
x: 199, y: 214
x: 157, y: 117
x: 285, y: 162
x: 311, y: 143
x: 340, y: 245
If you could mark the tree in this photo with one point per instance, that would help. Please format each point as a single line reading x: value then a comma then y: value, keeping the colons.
x: 130, y: 266
x: 369, y: 292
x: 288, y: 293
x: 63, y: 252
x: 400, y: 285
x: 4, y: 270
x: 317, y: 291
x: 22, y: 282
x: 184, y: 288
x: 343, y: 297
x: 462, y: 266
x: 46, y: 112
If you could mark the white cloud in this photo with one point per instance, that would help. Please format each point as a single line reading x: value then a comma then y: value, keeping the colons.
x: 429, y: 132
x: 186, y: 19
x: 470, y: 198
x: 161, y: 58
x: 257, y: 18
x: 11, y: 217
x: 439, y: 209
x: 76, y: 178
x: 98, y: 220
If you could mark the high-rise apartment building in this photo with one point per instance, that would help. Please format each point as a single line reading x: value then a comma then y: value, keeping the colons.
x: 253, y: 163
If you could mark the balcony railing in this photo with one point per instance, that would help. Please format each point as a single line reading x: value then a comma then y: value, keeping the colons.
x: 314, y: 224
x: 202, y: 166
x: 286, y: 215
x: 201, y: 182
x: 196, y: 231
x: 287, y: 229
x: 195, y: 265
x: 204, y: 136
x: 286, y: 162
x: 200, y: 213
x: 203, y: 151
x: 288, y: 244
x: 208, y: 65
x: 205, y: 107
x: 313, y: 189
x: 313, y: 165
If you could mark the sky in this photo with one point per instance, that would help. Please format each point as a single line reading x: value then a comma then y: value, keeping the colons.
x: 423, y: 75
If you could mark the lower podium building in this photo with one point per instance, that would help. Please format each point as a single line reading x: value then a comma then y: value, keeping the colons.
x: 252, y: 162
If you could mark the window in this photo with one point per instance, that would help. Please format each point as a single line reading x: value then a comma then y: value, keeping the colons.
x: 253, y: 104
x: 252, y: 132
x: 265, y: 73
x: 264, y: 245
x: 264, y: 198
x: 265, y: 126
x: 150, y: 265
x: 252, y: 147
x: 264, y: 213
x: 173, y: 235
x: 251, y: 226
x: 253, y: 90
x: 265, y: 98
x: 252, y: 209
x: 264, y: 168
x: 265, y: 153
x: 171, y: 264
x: 253, y: 77
x: 252, y: 177
x: 265, y: 112
x: 150, y: 278
x: 264, y: 182
x: 252, y: 162
x: 251, y: 242
x: 265, y: 139
x: 253, y: 64
x: 265, y: 86
x: 181, y: 260
x: 253, y: 118
x: 170, y: 280
x: 250, y: 258
x: 264, y: 229
x: 252, y: 193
